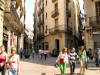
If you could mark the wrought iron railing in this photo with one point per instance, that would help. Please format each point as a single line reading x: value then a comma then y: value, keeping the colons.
x: 94, y: 21
x: 55, y: 13
x: 60, y: 28
x: 53, y: 1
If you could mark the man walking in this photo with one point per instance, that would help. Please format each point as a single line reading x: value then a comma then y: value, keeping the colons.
x: 72, y: 57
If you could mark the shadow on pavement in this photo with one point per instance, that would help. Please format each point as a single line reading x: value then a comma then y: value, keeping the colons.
x: 94, y: 69
x: 43, y: 73
x: 50, y: 61
x: 70, y: 74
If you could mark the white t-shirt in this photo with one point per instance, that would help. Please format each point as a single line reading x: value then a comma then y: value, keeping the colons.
x: 14, y: 65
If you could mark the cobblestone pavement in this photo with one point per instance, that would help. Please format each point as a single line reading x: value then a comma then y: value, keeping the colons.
x: 41, y: 67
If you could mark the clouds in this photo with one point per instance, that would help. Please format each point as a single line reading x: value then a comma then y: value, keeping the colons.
x: 29, y: 13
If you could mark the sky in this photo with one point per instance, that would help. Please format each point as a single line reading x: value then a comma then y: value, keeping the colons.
x: 30, y: 9
x: 81, y: 5
x: 29, y: 13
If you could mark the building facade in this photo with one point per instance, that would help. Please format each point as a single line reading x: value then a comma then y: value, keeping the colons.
x: 56, y: 24
x: 1, y: 20
x: 13, y: 24
x: 92, y: 24
x: 28, y: 41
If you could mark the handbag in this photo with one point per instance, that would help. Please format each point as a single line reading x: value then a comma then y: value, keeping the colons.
x: 56, y: 65
x: 62, y: 60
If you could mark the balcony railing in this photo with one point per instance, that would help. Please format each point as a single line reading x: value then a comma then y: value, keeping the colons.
x: 42, y: 9
x: 1, y: 4
x: 55, y: 13
x: 42, y: 22
x: 94, y: 21
x: 69, y: 30
x: 40, y: 36
x: 39, y: 12
x: 10, y: 9
x: 53, y: 1
x: 60, y: 28
x: 68, y: 12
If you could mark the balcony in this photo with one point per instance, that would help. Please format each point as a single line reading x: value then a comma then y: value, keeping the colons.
x: 42, y: 9
x: 41, y: 36
x: 58, y: 29
x: 54, y: 1
x: 12, y: 16
x: 42, y: 22
x: 69, y: 30
x: 39, y: 24
x: 94, y: 21
x: 39, y: 12
x: 55, y: 13
x: 68, y: 12
x: 1, y: 5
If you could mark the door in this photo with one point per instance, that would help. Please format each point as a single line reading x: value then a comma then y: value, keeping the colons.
x: 57, y: 44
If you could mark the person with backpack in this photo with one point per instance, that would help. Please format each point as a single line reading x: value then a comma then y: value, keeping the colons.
x: 63, y: 60
x: 72, y: 60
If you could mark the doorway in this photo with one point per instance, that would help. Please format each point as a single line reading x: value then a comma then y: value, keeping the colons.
x: 57, y: 44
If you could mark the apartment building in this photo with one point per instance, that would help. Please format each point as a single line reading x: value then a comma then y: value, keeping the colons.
x: 56, y: 24
x: 13, y: 24
x: 92, y: 24
x: 1, y: 20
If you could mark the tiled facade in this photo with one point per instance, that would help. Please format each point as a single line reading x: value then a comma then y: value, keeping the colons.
x: 56, y: 24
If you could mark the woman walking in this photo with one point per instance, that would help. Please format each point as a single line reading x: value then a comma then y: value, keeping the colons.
x: 83, y: 59
x: 13, y: 63
x: 63, y: 60
x: 3, y: 57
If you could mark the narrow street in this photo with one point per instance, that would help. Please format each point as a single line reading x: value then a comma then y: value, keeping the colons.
x: 38, y: 67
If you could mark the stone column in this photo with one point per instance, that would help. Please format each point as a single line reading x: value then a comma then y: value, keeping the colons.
x: 9, y: 46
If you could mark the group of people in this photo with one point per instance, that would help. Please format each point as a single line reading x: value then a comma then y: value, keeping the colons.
x: 9, y: 62
x: 43, y: 54
x: 64, y: 58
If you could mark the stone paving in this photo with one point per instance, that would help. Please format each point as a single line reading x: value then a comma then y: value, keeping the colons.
x: 41, y: 67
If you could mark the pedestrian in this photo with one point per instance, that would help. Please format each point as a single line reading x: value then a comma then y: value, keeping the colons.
x: 33, y: 53
x: 97, y: 57
x: 14, y: 61
x: 3, y: 58
x: 42, y: 54
x: 45, y: 54
x: 21, y: 53
x: 72, y: 60
x: 83, y: 59
x: 63, y: 60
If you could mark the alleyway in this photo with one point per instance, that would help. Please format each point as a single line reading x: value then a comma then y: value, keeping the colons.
x: 38, y: 67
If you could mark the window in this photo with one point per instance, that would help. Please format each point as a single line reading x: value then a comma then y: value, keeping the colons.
x: 46, y: 29
x: 46, y: 2
x: 56, y: 22
x: 46, y: 15
x: 56, y: 6
x: 97, y: 4
x: 57, y: 44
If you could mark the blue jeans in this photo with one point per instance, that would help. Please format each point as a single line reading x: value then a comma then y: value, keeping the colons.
x: 12, y: 72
